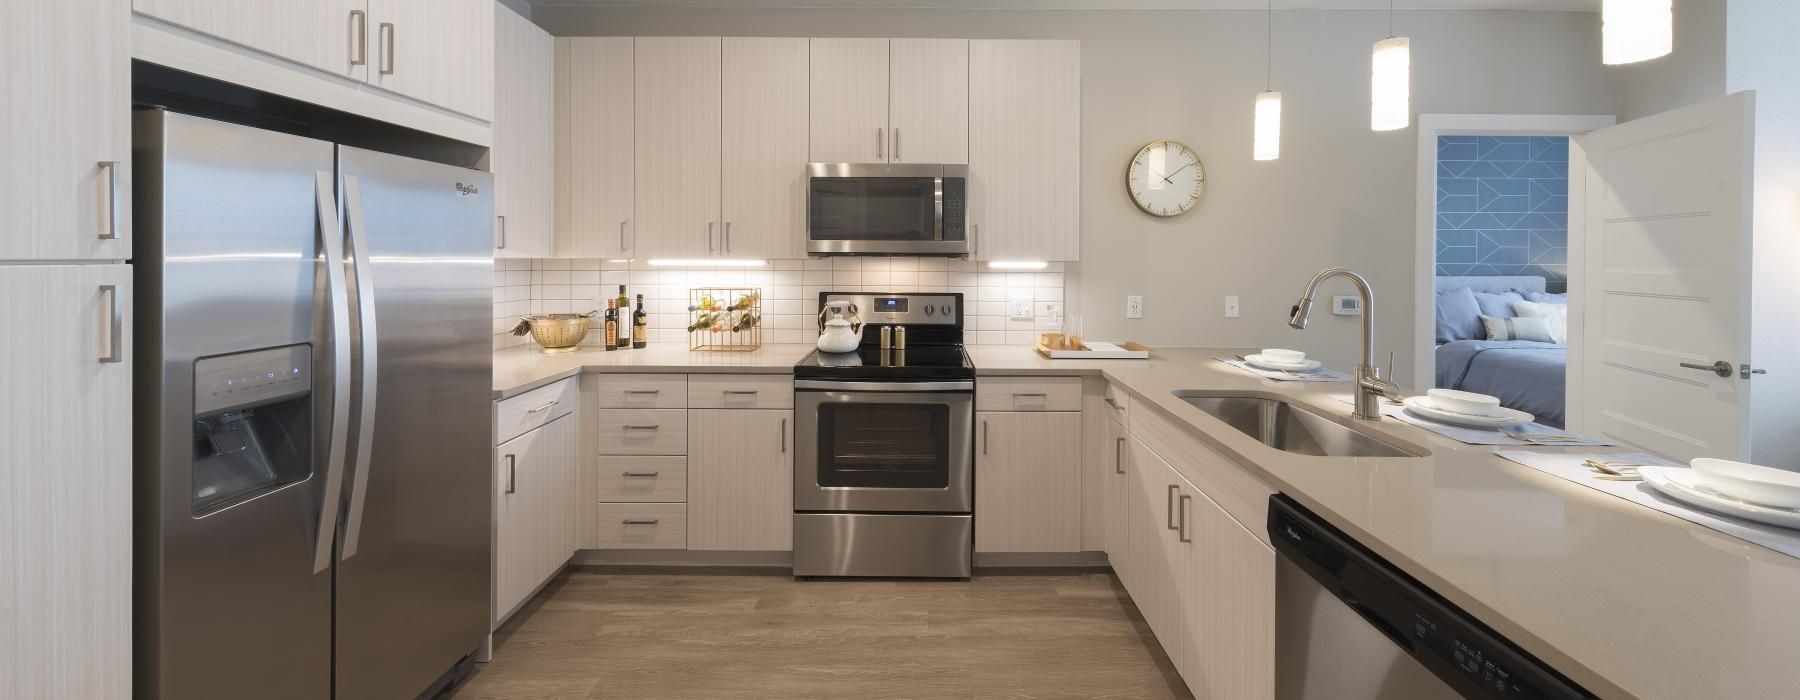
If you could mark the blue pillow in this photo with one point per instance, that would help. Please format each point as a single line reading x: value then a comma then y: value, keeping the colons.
x: 1497, y: 305
x: 1544, y: 298
x: 1458, y: 316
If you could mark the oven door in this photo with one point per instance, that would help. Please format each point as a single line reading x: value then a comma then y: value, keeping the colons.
x: 884, y: 447
x: 886, y: 209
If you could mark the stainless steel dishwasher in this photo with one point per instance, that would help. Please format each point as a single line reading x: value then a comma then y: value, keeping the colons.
x: 1350, y: 626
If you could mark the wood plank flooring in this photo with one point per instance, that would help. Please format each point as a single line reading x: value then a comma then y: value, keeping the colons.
x: 609, y: 633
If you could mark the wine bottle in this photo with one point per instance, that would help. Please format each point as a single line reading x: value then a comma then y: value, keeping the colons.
x: 612, y: 327
x: 640, y: 326
x: 624, y: 339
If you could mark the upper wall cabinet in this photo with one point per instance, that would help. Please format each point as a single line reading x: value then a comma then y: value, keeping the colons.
x: 890, y: 100
x: 436, y: 51
x: 1025, y: 149
x: 678, y: 118
x: 522, y: 159
x: 65, y: 176
x: 594, y: 153
x: 763, y: 201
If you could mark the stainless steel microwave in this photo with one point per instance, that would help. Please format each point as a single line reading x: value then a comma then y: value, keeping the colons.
x: 887, y: 209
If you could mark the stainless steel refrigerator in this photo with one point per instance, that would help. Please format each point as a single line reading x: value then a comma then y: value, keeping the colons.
x: 312, y: 402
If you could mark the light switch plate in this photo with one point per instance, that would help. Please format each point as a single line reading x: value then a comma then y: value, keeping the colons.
x: 1231, y: 307
x: 1019, y: 309
x: 1049, y: 309
x: 1134, y: 306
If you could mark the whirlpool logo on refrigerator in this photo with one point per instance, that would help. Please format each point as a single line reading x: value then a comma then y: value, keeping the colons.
x: 466, y: 190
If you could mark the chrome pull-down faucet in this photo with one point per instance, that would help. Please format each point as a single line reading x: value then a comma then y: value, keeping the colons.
x: 1370, y: 386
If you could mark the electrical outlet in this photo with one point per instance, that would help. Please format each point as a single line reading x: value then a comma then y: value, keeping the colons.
x: 1020, y: 309
x: 1231, y: 307
x: 1049, y: 309
x: 1134, y: 306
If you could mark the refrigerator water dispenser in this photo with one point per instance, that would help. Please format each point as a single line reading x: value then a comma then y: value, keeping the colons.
x: 252, y: 425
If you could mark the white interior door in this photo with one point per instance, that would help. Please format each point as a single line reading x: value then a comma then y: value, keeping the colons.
x: 1664, y: 266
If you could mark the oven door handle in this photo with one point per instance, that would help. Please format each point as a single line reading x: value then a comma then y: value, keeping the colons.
x: 885, y: 387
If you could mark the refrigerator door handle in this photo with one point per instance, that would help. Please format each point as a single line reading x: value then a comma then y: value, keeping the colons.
x: 366, y: 334
x: 331, y: 235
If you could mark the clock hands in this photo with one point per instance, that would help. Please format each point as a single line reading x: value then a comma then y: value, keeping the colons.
x: 1177, y: 170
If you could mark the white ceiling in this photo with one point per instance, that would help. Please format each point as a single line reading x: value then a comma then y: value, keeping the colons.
x: 1565, y: 5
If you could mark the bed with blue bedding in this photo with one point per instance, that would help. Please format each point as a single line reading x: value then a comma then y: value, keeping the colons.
x: 1525, y: 375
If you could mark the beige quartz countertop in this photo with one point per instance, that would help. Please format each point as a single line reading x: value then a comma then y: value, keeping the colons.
x: 1625, y: 600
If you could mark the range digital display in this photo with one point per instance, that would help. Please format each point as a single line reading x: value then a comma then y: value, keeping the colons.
x: 890, y: 304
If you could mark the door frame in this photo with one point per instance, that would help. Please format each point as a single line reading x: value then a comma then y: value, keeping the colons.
x: 1431, y: 126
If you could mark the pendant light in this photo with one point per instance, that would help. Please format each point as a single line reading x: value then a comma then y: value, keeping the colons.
x: 1635, y: 30
x: 1390, y: 83
x: 1267, y: 145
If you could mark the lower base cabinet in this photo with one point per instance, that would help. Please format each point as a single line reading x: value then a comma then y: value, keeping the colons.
x: 1204, y: 582
x: 1027, y: 481
x: 534, y: 510
x: 740, y: 480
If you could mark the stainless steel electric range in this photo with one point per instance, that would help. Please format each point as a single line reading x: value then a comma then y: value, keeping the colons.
x: 884, y: 445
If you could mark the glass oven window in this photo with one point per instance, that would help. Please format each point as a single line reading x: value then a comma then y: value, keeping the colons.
x: 900, y: 445
x: 873, y: 209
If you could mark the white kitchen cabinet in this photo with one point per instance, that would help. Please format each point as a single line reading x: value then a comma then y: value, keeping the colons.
x: 65, y: 467
x: 1118, y: 465
x: 1025, y: 149
x: 534, y: 510
x: 740, y: 480
x: 849, y: 104
x: 65, y: 176
x: 678, y: 142
x: 328, y: 35
x: 595, y: 157
x: 439, y: 52
x: 764, y: 156
x: 522, y: 159
x: 1028, y: 482
x: 928, y: 101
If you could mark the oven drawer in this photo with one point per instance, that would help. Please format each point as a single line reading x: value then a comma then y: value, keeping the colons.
x: 630, y: 431
x: 642, y: 390
x: 643, y: 526
x: 740, y: 391
x: 642, y: 479
x: 1028, y: 394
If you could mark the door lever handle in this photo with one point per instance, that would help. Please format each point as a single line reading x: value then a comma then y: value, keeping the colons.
x: 1721, y: 368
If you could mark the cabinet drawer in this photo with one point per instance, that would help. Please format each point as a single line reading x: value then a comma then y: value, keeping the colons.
x: 642, y: 479
x: 740, y: 391
x: 643, y: 526
x: 1243, y: 496
x: 642, y: 390
x: 514, y: 416
x: 630, y: 431
x: 1028, y: 394
x: 1116, y: 401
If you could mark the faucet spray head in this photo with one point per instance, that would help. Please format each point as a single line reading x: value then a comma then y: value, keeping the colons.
x: 1298, y: 316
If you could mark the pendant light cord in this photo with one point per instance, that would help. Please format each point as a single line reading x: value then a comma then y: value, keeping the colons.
x: 1390, y: 19
x: 1269, y: 48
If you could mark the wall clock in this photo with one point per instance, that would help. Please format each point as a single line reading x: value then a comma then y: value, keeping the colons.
x: 1166, y: 178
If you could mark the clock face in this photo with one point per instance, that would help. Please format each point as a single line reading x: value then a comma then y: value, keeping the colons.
x: 1166, y: 178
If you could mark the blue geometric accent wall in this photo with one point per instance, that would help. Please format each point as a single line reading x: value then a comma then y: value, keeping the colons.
x: 1503, y: 207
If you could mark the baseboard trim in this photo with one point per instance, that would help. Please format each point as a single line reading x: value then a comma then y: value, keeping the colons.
x: 991, y: 562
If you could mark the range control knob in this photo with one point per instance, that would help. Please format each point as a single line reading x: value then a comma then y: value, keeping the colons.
x: 946, y: 309
x: 928, y: 309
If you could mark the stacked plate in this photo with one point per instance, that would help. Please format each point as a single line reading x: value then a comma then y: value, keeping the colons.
x: 1465, y: 409
x: 1763, y: 494
x: 1282, y: 361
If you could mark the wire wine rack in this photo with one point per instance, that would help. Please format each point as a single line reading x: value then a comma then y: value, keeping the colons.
x: 725, y: 319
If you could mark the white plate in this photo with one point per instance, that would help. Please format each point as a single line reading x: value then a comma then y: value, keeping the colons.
x: 1507, y: 418
x: 1261, y: 362
x: 1767, y: 486
x: 1682, y: 485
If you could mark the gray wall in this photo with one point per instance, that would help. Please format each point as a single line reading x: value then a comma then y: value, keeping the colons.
x: 1339, y: 195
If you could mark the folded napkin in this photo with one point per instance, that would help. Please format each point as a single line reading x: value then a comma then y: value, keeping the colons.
x: 1482, y: 436
x: 1323, y: 374
x: 1568, y: 465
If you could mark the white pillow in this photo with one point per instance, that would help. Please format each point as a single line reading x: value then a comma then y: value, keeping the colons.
x: 1556, y: 314
x: 1536, y: 328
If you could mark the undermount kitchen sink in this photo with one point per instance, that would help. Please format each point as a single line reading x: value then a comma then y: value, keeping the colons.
x: 1290, y: 428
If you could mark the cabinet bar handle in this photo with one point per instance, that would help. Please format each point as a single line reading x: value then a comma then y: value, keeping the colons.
x: 512, y: 473
x: 1112, y: 403
x: 502, y: 218
x: 984, y: 437
x: 621, y: 235
x: 1185, y: 500
x: 633, y: 521
x: 111, y: 231
x: 709, y: 236
x: 544, y: 407
x: 387, y: 55
x: 741, y: 392
x: 643, y: 391
x: 784, y: 436
x: 727, y: 236
x: 1169, y: 507
x: 639, y: 473
x: 359, y: 38
x: 1119, y: 457
x: 112, y: 327
x: 642, y: 427
x: 880, y: 143
x: 896, y: 144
